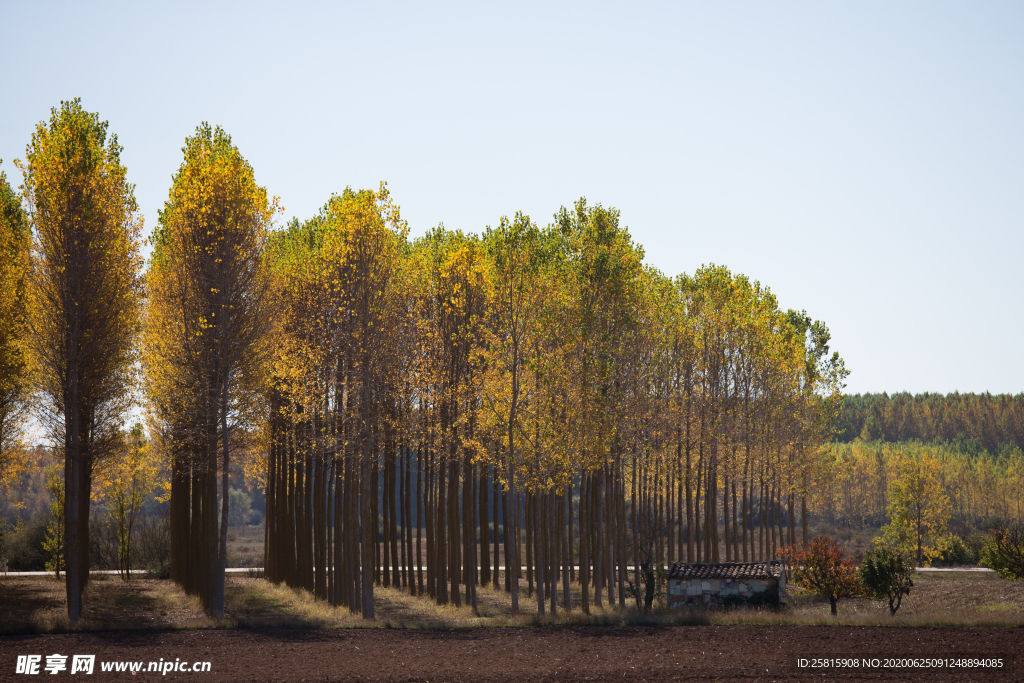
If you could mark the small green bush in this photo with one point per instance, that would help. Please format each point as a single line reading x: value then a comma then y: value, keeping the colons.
x: 23, y: 545
x: 885, y: 575
x: 955, y: 551
x: 1005, y: 552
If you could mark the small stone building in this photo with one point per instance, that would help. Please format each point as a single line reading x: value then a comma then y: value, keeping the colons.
x: 727, y: 583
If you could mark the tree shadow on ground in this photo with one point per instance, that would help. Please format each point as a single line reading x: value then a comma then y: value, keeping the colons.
x: 25, y: 604
x: 115, y: 603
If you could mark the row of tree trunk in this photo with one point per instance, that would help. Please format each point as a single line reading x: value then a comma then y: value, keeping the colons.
x: 339, y: 524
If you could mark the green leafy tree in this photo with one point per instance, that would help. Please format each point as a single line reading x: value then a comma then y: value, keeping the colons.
x: 241, y: 508
x: 918, y: 509
x: 954, y: 551
x: 822, y: 567
x: 887, y: 575
x: 1005, y: 552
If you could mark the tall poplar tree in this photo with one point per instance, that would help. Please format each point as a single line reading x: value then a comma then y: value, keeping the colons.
x: 605, y: 267
x: 211, y: 291
x: 84, y: 298
x: 14, y: 244
x: 515, y: 251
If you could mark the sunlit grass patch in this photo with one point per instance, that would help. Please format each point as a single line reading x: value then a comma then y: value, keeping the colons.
x: 999, y: 608
x: 257, y: 603
x: 37, y: 605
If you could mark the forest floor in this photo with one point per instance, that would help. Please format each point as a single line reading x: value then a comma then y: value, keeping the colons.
x: 275, y: 633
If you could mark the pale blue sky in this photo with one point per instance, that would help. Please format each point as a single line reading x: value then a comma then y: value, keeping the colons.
x: 865, y: 161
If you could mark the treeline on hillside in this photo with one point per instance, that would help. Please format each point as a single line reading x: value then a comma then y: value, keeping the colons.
x: 401, y: 395
x: 994, y: 420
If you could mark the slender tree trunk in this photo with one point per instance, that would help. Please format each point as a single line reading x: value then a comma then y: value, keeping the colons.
x: 385, y: 493
x: 179, y: 519
x: 530, y: 541
x: 623, y: 545
x: 779, y: 512
x: 496, y: 495
x: 375, y: 540
x: 270, y: 519
x: 747, y: 516
x: 454, y: 531
x: 537, y: 517
x: 403, y: 517
x: 669, y: 508
x: 762, y: 511
x: 725, y: 519
x: 634, y: 491
x: 476, y: 550
x: 197, y: 490
x: 485, y: 523
x: 599, y: 554
x: 440, y: 537
x: 584, y: 516
x: 505, y: 538
x: 735, y: 525
x: 512, y: 538
x: 309, y: 532
x: 338, y: 531
x: 680, y: 540
x: 218, y: 576
x: 301, y: 521
x: 319, y: 511
x: 84, y: 501
x: 394, y: 504
x: 697, y: 495
x: 790, y: 516
x: 611, y: 531
x: 690, y: 556
x: 803, y: 517
x: 566, y: 518
x: 210, y: 526
x: 419, y: 522
x: 73, y: 581
x: 430, y: 510
x: 367, y: 496
x: 407, y: 520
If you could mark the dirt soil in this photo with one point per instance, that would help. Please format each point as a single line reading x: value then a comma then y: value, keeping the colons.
x: 713, y: 653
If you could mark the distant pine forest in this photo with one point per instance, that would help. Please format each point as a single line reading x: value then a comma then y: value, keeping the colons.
x: 973, y: 422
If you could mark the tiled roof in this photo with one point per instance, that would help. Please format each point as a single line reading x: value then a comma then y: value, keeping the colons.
x: 725, y: 570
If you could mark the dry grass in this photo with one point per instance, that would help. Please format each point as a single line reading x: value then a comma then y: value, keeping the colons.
x: 245, y: 546
x: 37, y: 605
x: 937, y: 599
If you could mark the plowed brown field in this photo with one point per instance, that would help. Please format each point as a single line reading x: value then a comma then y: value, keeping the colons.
x: 712, y: 653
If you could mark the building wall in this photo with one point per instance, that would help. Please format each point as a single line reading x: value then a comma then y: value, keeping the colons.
x: 724, y: 591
